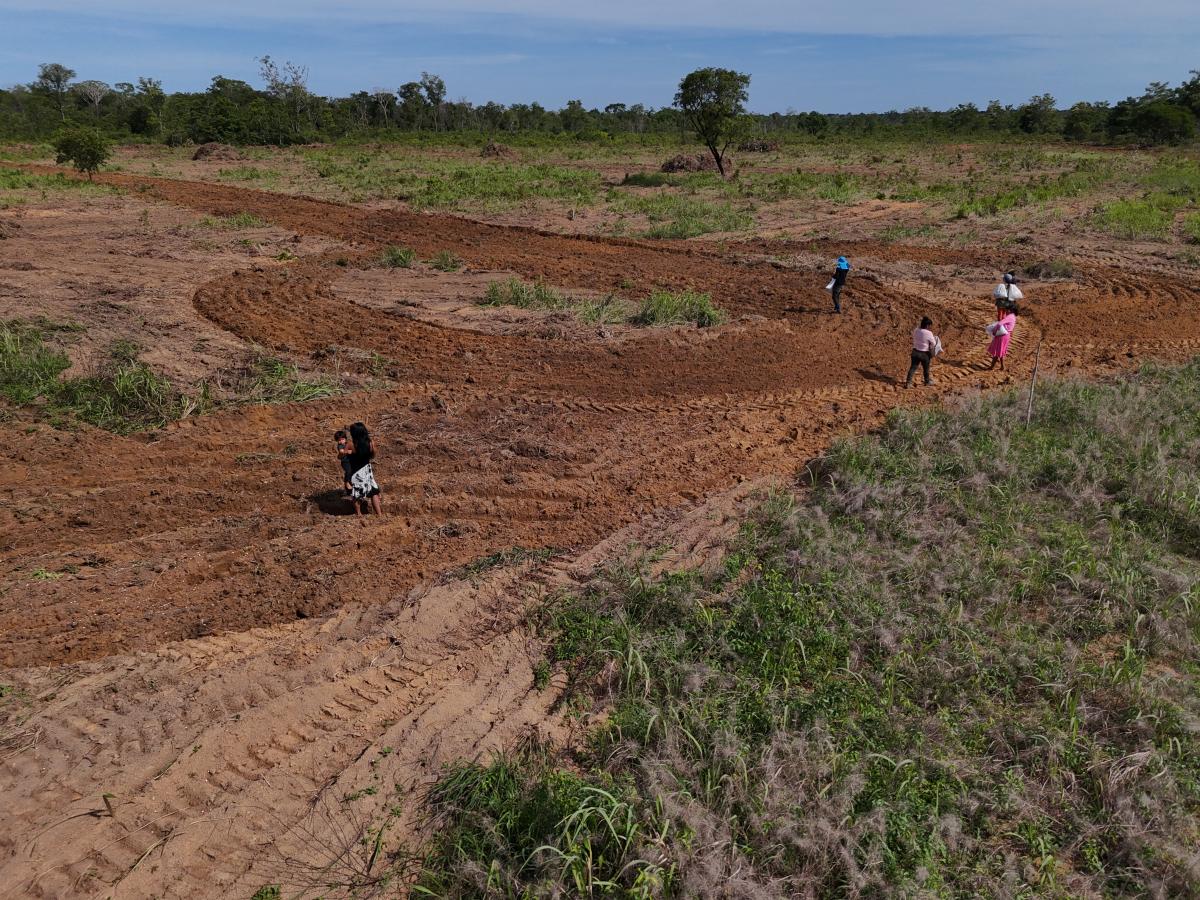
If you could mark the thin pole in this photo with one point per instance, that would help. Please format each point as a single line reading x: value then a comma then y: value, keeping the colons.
x: 1037, y: 356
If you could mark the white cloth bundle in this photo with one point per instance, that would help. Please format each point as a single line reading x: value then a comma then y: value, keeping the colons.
x: 937, y: 346
x: 829, y: 287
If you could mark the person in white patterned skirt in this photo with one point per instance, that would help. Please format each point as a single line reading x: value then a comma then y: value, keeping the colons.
x: 364, y: 491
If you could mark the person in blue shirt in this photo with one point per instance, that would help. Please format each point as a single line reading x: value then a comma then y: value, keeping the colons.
x: 840, y: 271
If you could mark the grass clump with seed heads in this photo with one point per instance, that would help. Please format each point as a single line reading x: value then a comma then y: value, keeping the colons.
x: 961, y: 663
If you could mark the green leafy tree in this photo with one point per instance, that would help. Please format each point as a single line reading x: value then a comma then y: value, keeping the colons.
x: 435, y: 95
x: 84, y: 148
x: 1038, y: 116
x: 714, y: 102
x: 1161, y: 122
x: 55, y: 80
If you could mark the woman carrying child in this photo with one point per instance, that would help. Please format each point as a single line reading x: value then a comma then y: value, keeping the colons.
x: 364, y: 491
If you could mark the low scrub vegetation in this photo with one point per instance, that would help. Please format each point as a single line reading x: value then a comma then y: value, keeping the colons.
x: 962, y: 663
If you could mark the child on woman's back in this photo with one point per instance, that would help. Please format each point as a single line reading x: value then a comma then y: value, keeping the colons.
x: 343, y: 451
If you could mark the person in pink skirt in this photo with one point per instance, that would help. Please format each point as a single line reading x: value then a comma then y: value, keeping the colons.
x: 1001, y: 332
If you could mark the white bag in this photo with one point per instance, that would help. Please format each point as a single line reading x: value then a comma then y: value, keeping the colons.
x: 1000, y: 330
x: 937, y: 346
x: 829, y: 287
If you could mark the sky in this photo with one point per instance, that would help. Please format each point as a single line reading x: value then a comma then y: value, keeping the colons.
x: 849, y: 56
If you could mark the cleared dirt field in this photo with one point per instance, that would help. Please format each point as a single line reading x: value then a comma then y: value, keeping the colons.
x: 218, y: 646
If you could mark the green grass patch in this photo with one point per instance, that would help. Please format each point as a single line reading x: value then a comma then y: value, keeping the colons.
x: 1191, y: 228
x: 234, y: 222
x: 398, y: 257
x: 678, y: 308
x: 1149, y: 217
x: 426, y: 183
x: 247, y: 173
x: 1051, y: 268
x: 680, y: 216
x: 122, y: 394
x: 515, y: 292
x: 16, y: 187
x: 648, y: 179
x: 268, y: 379
x: 445, y: 261
x: 963, y: 663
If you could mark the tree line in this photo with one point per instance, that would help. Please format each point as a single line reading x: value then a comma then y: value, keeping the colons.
x: 283, y: 110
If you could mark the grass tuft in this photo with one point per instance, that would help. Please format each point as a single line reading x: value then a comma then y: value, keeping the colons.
x: 398, y: 257
x: 232, y: 223
x: 445, y: 261
x: 678, y: 308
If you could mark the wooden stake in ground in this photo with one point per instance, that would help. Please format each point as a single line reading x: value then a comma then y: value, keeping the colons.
x: 1037, y: 356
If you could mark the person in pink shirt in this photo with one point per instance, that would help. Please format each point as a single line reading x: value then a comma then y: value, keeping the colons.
x: 925, y: 346
x: 1001, y: 332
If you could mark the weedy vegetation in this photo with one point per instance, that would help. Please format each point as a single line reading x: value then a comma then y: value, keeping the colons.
x: 962, y: 662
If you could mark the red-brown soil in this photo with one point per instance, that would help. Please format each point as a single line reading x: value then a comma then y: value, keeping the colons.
x: 233, y: 748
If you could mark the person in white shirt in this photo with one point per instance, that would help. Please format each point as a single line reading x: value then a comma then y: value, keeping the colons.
x: 925, y: 346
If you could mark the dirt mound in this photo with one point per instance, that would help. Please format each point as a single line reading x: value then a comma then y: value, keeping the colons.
x: 219, y: 152
x: 492, y: 150
x: 758, y: 145
x: 692, y: 162
x: 7, y: 229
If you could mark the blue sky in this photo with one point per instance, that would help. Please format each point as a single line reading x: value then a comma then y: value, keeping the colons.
x: 856, y: 55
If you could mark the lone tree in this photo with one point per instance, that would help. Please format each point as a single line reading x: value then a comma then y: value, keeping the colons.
x: 54, y: 79
x: 84, y: 148
x: 714, y: 101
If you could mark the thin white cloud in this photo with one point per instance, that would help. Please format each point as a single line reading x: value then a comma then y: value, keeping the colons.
x: 864, y: 17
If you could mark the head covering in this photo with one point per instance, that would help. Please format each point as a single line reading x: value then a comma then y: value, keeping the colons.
x: 1008, y: 278
x: 843, y: 263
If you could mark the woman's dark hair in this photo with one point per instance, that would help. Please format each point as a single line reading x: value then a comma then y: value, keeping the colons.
x: 926, y: 321
x: 362, y: 440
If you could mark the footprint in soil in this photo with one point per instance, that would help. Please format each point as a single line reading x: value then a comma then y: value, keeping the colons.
x: 331, y: 503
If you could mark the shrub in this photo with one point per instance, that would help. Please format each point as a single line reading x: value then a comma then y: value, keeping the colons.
x: 399, y: 257
x: 85, y: 148
x: 678, y: 308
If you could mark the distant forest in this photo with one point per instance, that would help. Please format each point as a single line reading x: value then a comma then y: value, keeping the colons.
x: 284, y: 111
